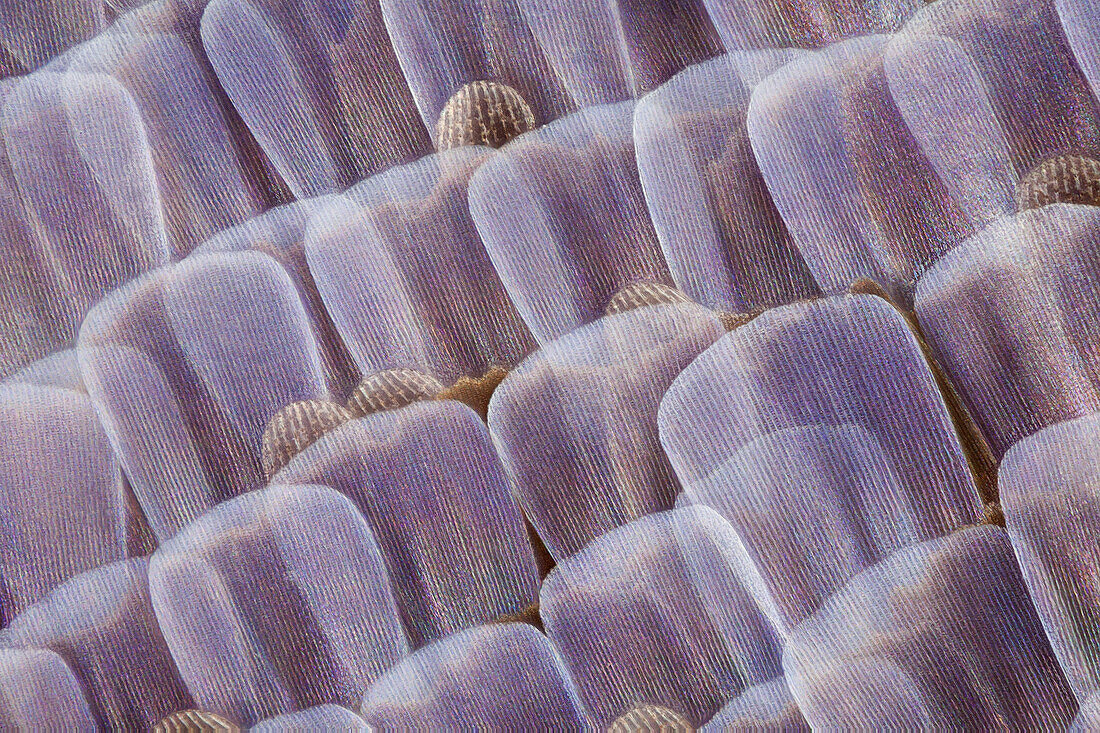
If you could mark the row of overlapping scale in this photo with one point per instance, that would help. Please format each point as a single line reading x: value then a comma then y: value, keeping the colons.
x: 761, y: 303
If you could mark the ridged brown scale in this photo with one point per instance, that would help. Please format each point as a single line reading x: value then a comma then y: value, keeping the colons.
x: 297, y: 426
x: 651, y: 719
x: 392, y: 389
x: 483, y: 113
x: 1069, y: 179
x: 640, y: 295
x: 195, y: 721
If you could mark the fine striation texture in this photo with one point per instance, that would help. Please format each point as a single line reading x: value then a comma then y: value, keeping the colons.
x: 562, y: 214
x: 1050, y: 491
x: 102, y: 623
x: 651, y: 614
x: 822, y: 126
x: 786, y: 428
x: 496, y: 677
x: 187, y: 366
x: 483, y: 113
x: 61, y: 496
x: 392, y: 389
x: 276, y: 601
x: 940, y: 635
x: 1013, y: 316
x: 318, y: 85
x: 319, y: 718
x: 1068, y: 179
x: 40, y: 692
x: 405, y: 275
x: 723, y: 238
x: 576, y: 423
x: 434, y: 493
x: 296, y: 427
x: 744, y: 24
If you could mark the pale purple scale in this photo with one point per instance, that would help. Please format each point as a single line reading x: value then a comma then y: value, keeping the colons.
x: 651, y: 613
x: 804, y: 384
x: 744, y: 24
x: 35, y: 319
x: 444, y: 46
x: 495, y: 677
x: 186, y: 366
x: 765, y: 707
x: 89, y: 217
x: 275, y: 602
x: 1014, y: 318
x: 280, y: 233
x: 318, y: 85
x: 1081, y: 26
x: 721, y: 234
x: 406, y: 278
x: 102, y: 623
x: 1050, y: 491
x: 940, y: 635
x: 945, y: 103
x: 1088, y: 717
x: 38, y: 691
x: 563, y: 216
x: 576, y: 422
x: 60, y: 369
x: 1037, y: 89
x: 859, y: 196
x: 432, y: 488
x: 662, y: 37
x: 34, y: 31
x: 61, y: 496
x: 203, y: 184
x: 319, y: 718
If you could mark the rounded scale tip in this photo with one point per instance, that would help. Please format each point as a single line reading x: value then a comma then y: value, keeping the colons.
x: 195, y: 721
x: 651, y: 719
x: 392, y: 389
x: 641, y: 295
x: 1067, y: 179
x: 296, y: 427
x: 483, y: 113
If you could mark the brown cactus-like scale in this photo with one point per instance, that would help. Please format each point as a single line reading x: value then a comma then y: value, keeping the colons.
x: 1068, y: 179
x: 195, y: 721
x: 640, y: 295
x: 651, y: 719
x: 392, y: 389
x: 297, y: 426
x: 483, y: 113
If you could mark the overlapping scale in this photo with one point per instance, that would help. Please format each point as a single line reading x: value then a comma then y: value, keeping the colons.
x: 405, y: 275
x: 187, y: 365
x: 443, y: 47
x: 940, y: 635
x: 60, y: 369
x: 563, y: 216
x: 1050, y: 491
x: 787, y: 429
x: 102, y: 624
x: 1013, y: 317
x: 79, y: 205
x: 576, y: 422
x: 203, y: 184
x: 280, y: 233
x: 320, y: 718
x: 821, y: 128
x: 722, y: 236
x: 746, y: 24
x: 276, y: 601
x: 1088, y: 717
x: 432, y: 488
x: 34, y: 31
x: 651, y: 614
x: 61, y: 496
x: 40, y: 692
x: 495, y: 677
x: 765, y: 707
x: 319, y: 86
x: 1026, y: 64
